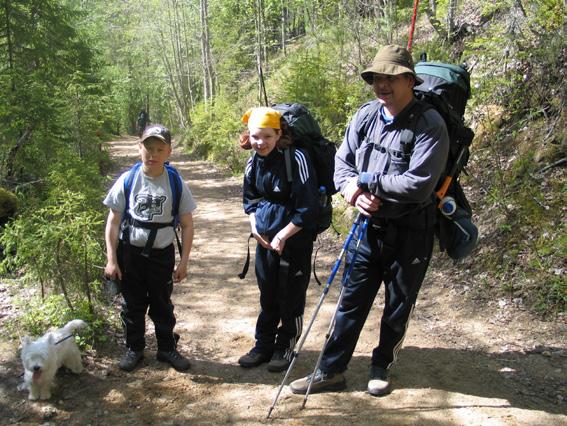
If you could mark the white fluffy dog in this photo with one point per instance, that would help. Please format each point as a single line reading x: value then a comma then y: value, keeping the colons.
x: 43, y: 357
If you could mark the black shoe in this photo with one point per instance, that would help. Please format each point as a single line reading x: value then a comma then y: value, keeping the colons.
x: 323, y: 382
x: 130, y: 360
x: 278, y: 362
x: 253, y: 359
x: 379, y: 383
x: 175, y: 359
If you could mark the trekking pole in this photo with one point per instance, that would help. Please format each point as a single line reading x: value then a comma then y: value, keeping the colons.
x: 295, y: 353
x: 344, y: 282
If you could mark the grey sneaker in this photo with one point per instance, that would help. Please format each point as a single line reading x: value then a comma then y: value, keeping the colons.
x: 175, y: 359
x: 379, y: 383
x: 253, y: 359
x: 278, y: 362
x: 130, y: 359
x: 323, y: 382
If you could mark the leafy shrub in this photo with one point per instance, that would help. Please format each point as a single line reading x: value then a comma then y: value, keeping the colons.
x: 214, y: 134
x: 41, y: 314
x: 58, y: 240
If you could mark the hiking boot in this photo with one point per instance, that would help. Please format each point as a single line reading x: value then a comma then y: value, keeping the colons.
x: 130, y: 359
x: 379, y: 383
x: 253, y: 359
x: 278, y: 362
x: 323, y: 382
x: 175, y: 359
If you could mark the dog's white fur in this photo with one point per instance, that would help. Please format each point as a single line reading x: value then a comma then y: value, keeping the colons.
x: 43, y: 357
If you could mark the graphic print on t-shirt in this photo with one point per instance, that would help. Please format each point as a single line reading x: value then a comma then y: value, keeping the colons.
x: 148, y: 206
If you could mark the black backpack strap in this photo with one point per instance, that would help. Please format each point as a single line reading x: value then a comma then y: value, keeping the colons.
x: 288, y: 153
x: 153, y: 227
x: 366, y: 122
x: 242, y: 275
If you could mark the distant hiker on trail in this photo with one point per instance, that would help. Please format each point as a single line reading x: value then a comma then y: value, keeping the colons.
x: 283, y: 220
x: 139, y: 243
x: 391, y: 180
x: 143, y: 121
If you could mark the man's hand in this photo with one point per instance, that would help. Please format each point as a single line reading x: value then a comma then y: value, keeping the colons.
x: 367, y: 203
x: 352, y: 191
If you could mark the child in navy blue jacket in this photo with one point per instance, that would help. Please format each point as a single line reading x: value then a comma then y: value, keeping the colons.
x: 283, y: 219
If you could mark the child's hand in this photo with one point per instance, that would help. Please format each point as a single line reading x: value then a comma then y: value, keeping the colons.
x: 112, y: 270
x: 262, y: 240
x: 180, y: 272
x: 277, y: 245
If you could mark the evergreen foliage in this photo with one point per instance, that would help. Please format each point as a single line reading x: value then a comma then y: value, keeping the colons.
x: 74, y: 73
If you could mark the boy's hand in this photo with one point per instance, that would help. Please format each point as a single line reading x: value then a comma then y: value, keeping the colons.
x: 112, y: 270
x: 180, y: 273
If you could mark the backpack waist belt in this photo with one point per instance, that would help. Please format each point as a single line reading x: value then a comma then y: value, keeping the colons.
x: 152, y: 226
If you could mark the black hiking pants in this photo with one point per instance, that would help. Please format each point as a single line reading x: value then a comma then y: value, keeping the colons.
x: 398, y: 256
x: 283, y: 282
x: 147, y: 283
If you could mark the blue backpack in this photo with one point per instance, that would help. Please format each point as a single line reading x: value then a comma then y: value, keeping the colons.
x: 176, y: 184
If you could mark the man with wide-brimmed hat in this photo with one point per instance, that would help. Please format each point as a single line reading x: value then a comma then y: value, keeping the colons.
x: 394, y: 151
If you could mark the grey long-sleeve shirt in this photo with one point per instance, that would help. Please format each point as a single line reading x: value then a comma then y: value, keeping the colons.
x: 404, y: 158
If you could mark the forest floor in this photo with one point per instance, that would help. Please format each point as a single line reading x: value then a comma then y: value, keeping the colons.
x: 463, y: 362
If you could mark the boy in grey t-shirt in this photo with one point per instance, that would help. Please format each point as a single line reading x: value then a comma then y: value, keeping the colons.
x: 140, y: 249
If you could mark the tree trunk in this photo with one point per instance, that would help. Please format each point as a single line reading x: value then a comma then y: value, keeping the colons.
x: 11, y: 156
x: 430, y: 8
x: 185, y: 25
x: 451, y: 11
x: 283, y: 26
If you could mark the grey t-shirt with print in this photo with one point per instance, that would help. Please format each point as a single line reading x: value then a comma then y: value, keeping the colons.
x: 151, y: 200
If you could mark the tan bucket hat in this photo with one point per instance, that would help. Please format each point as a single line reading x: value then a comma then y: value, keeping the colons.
x: 391, y: 60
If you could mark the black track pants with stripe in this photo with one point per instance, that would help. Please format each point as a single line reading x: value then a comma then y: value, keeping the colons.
x: 402, y: 268
x: 283, y: 282
x: 147, y: 283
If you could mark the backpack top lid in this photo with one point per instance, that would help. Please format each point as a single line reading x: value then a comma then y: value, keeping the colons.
x: 300, y: 120
x: 451, y: 82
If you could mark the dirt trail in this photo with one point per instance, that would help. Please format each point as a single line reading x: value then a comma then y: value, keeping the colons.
x: 461, y: 364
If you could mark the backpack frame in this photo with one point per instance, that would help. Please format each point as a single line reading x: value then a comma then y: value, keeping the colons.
x: 446, y: 88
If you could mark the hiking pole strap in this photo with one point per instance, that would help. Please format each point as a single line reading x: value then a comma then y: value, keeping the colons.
x: 179, y: 245
x: 242, y: 275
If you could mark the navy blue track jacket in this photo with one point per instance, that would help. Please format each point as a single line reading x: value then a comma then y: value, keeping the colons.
x: 274, y: 200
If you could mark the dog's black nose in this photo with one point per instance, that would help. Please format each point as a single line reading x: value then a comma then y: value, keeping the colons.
x: 36, y: 368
